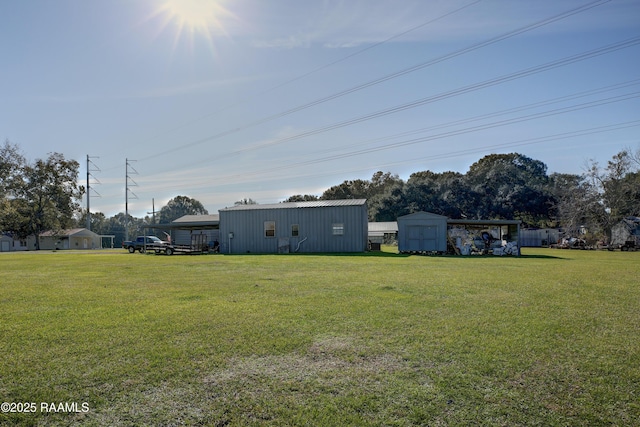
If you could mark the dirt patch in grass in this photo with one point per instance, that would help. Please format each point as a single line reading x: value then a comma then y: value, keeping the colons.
x: 327, y: 358
x: 333, y: 372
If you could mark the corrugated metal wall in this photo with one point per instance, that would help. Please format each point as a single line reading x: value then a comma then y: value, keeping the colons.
x: 315, y: 230
x: 183, y: 237
x: 539, y: 237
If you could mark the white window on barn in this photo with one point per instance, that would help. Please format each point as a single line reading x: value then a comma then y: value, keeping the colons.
x: 295, y: 230
x: 269, y: 229
x: 337, y: 229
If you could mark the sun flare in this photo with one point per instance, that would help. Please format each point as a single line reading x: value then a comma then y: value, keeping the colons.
x: 205, y: 18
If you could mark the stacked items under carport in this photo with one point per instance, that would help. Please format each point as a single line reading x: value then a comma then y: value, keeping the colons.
x: 470, y: 241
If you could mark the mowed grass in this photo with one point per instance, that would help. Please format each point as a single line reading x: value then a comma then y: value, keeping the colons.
x: 550, y: 338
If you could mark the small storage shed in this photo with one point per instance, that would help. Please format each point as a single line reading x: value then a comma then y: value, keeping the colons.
x: 305, y: 227
x: 422, y: 232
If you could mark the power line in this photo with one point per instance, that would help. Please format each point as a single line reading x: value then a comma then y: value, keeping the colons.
x: 315, y: 70
x: 441, y: 96
x: 452, y: 133
x: 466, y: 89
x: 481, y: 149
x: 525, y: 107
x: 403, y: 72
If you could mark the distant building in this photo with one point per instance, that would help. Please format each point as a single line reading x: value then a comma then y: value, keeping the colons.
x: 9, y: 243
x: 539, y: 237
x: 76, y: 238
x: 383, y: 232
x: 304, y: 227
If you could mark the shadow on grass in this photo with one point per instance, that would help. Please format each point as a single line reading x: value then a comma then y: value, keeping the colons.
x: 382, y: 254
x: 543, y: 257
x: 335, y: 254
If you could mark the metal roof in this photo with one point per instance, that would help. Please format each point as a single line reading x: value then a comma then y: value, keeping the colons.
x: 187, y: 222
x: 197, y: 218
x: 383, y: 227
x: 484, y: 222
x: 298, y: 205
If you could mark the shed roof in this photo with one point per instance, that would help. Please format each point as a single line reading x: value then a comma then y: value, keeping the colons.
x: 483, y: 222
x: 298, y: 205
x: 422, y: 215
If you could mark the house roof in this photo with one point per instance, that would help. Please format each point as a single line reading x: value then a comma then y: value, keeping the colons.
x: 68, y: 233
x: 298, y: 205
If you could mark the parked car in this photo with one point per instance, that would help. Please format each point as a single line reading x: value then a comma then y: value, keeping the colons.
x: 143, y: 243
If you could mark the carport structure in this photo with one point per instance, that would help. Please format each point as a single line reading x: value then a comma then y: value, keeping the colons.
x: 426, y: 232
x: 489, y: 236
x: 204, y: 229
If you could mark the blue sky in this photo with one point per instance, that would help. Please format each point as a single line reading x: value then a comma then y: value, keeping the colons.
x: 221, y: 100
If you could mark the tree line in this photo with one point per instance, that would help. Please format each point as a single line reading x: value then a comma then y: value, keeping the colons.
x: 44, y: 195
x: 507, y: 186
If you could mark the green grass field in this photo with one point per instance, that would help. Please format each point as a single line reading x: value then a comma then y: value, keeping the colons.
x: 551, y: 339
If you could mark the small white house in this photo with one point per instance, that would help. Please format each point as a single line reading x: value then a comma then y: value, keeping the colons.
x: 75, y: 238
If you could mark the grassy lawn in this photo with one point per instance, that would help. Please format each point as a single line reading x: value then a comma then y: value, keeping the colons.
x: 550, y: 338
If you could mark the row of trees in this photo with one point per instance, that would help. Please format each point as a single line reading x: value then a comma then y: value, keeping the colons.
x: 507, y: 186
x: 45, y: 195
x: 38, y: 196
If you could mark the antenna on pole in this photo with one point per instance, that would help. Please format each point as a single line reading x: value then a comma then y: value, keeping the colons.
x: 89, y: 176
x: 128, y: 170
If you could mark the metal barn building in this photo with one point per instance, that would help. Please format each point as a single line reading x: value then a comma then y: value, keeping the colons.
x: 422, y: 232
x: 304, y: 227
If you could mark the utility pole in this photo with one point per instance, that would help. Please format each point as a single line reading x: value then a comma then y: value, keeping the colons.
x: 126, y: 195
x: 89, y: 176
x: 153, y: 211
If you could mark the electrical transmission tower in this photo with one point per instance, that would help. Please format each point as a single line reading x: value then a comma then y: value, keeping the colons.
x: 91, y: 167
x: 129, y: 170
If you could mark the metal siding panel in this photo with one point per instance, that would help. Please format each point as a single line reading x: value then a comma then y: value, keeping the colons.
x: 315, y: 225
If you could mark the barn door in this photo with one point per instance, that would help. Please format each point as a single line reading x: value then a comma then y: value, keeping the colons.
x: 422, y: 238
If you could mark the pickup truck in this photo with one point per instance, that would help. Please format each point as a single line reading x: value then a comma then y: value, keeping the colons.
x: 152, y: 242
